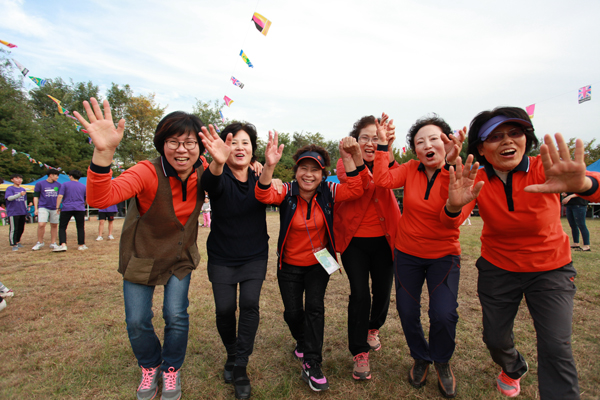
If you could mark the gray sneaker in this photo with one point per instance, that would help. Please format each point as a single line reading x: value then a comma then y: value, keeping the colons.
x: 19, y: 245
x: 149, y: 385
x: 53, y: 246
x: 38, y: 246
x: 15, y: 248
x: 171, y: 384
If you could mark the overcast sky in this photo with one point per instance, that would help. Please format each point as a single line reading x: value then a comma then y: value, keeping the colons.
x: 325, y: 64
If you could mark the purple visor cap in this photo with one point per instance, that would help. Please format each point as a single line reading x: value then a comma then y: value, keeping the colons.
x: 314, y: 155
x: 498, y: 120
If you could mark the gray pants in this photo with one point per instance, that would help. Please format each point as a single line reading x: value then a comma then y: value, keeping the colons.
x: 549, y: 296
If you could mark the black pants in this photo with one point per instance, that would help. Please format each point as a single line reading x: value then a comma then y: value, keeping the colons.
x: 65, y: 217
x: 17, y: 227
x: 366, y: 257
x: 242, y: 343
x: 549, y: 296
x: 303, y: 294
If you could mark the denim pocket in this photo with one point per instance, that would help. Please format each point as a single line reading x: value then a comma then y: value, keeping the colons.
x: 138, y: 270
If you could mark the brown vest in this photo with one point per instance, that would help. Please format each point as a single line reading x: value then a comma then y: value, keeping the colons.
x: 156, y: 245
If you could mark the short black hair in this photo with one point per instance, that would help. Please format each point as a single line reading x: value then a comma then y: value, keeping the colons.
x: 75, y: 173
x: 246, y: 127
x: 433, y: 119
x: 362, y: 124
x: 485, y: 116
x: 53, y: 172
x: 16, y: 176
x: 316, y: 149
x: 177, y: 123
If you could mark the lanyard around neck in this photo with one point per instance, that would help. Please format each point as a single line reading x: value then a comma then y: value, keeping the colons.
x: 306, y: 226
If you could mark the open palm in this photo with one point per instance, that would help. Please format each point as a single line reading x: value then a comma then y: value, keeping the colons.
x: 101, y: 128
x: 273, y: 151
x: 462, y: 189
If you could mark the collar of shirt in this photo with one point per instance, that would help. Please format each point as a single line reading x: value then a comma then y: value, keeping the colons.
x: 523, y: 167
x: 421, y: 167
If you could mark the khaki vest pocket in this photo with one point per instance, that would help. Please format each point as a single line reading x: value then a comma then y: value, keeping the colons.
x: 138, y: 270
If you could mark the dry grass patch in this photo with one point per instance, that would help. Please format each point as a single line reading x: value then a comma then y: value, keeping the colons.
x: 64, y: 336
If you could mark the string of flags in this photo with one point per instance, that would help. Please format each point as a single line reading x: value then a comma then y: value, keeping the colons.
x: 31, y: 159
x: 263, y: 25
x: 584, y: 94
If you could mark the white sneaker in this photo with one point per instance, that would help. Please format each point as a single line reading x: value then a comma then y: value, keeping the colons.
x: 99, y: 238
x: 38, y: 246
x: 82, y: 247
x: 62, y: 247
x: 6, y: 292
x: 111, y: 237
x: 53, y: 246
x: 2, y: 304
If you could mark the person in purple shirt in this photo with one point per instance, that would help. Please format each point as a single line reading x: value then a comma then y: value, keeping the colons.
x: 72, y: 197
x: 106, y: 214
x: 16, y: 210
x: 45, y: 194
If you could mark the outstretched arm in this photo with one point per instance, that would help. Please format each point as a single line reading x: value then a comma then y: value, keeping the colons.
x: 273, y: 153
x: 101, y: 129
x: 462, y: 188
x: 563, y: 174
x: 218, y: 149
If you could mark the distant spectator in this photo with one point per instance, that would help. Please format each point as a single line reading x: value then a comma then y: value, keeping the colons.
x: 576, y: 210
x: 103, y: 215
x: 72, y: 197
x: 45, y: 194
x: 206, y: 212
x: 16, y: 211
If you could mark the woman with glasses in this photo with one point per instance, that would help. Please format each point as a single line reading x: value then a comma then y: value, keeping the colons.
x: 365, y: 230
x: 425, y: 250
x: 237, y: 245
x: 158, y: 242
x: 524, y: 250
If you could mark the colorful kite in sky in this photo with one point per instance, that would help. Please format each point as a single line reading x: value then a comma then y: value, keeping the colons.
x: 530, y: 110
x: 222, y: 117
x: 245, y: 58
x: 60, y: 108
x: 23, y: 70
x: 228, y: 101
x: 585, y: 94
x: 12, y: 46
x: 237, y: 83
x: 38, y: 81
x: 262, y: 24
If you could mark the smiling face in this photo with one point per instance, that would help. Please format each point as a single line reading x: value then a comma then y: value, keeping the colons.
x: 182, y: 159
x: 309, y: 175
x: 241, y: 151
x: 504, y: 148
x: 429, y: 147
x: 368, y: 148
x: 17, y: 180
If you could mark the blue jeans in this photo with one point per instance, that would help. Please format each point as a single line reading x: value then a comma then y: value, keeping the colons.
x: 138, y: 315
x: 576, y: 218
x: 442, y: 276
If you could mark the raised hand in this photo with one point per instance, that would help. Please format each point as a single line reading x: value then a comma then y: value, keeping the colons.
x: 453, y: 145
x: 350, y: 146
x: 257, y: 167
x: 563, y: 174
x: 102, y: 130
x: 383, y: 128
x: 213, y: 143
x: 462, y: 188
x: 391, y: 134
x: 273, y: 151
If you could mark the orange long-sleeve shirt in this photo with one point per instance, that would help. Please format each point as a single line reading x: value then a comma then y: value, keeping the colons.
x: 420, y: 231
x: 522, y: 231
x: 141, y: 181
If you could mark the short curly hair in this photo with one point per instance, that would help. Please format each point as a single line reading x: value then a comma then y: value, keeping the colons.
x: 316, y: 149
x: 485, y: 116
x: 362, y: 124
x: 424, y: 121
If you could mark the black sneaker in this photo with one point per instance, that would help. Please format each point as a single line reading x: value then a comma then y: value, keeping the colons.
x: 417, y: 376
x: 298, y: 352
x: 312, y: 374
x: 446, y: 381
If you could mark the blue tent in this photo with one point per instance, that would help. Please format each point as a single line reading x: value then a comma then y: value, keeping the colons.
x: 594, y: 167
x: 333, y: 178
x: 62, y: 178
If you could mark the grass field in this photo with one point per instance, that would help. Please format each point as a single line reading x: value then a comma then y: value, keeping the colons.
x: 63, y: 334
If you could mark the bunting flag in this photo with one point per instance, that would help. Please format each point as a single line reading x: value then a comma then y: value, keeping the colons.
x: 245, y: 58
x: 38, y: 81
x: 404, y: 150
x: 261, y: 23
x: 3, y: 147
x: 585, y: 94
x: 222, y: 117
x: 12, y: 46
x: 60, y: 108
x: 228, y: 101
x: 237, y: 83
x: 530, y: 110
x: 29, y: 158
x: 23, y: 70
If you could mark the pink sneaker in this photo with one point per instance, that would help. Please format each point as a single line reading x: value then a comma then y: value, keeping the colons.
x: 149, y: 385
x: 508, y: 386
x: 373, y: 339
